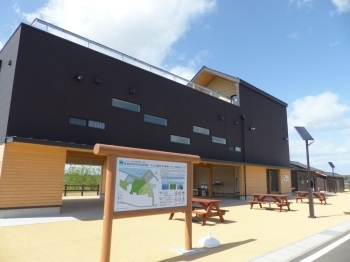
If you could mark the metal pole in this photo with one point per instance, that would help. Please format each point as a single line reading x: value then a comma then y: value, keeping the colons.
x: 333, y: 179
x: 310, y: 191
x: 245, y: 184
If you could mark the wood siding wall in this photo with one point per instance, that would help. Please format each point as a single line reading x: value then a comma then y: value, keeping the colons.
x: 256, y: 180
x: 285, y: 185
x: 2, y: 148
x: 32, y: 175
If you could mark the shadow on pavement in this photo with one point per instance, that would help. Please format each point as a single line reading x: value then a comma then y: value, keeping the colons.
x: 208, y: 251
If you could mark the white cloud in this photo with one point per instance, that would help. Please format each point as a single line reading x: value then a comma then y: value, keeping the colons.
x: 144, y: 29
x: 16, y: 9
x: 327, y: 120
x: 190, y: 69
x: 343, y: 6
x: 320, y: 112
x: 302, y: 4
x: 335, y: 43
x: 293, y: 35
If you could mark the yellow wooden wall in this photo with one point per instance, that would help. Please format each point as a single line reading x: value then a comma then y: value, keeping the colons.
x: 256, y: 180
x: 285, y: 181
x: 31, y: 175
x: 2, y: 148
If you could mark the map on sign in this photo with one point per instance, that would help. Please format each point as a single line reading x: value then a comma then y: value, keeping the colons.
x: 148, y: 184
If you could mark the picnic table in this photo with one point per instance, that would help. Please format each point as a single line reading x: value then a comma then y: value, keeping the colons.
x: 300, y: 195
x: 279, y: 200
x: 205, y: 208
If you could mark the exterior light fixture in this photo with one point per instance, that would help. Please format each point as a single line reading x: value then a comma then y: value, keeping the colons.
x: 306, y: 136
x: 10, y: 62
x: 236, y: 122
x: 97, y: 80
x: 79, y: 77
x: 243, y: 117
x: 286, y: 138
x: 132, y: 90
x: 252, y: 128
x: 222, y: 118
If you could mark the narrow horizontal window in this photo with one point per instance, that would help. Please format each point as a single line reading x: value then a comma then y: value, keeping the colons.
x: 201, y: 130
x: 180, y: 139
x: 218, y: 140
x: 96, y: 124
x: 155, y: 120
x: 234, y: 148
x: 126, y: 105
x: 77, y: 121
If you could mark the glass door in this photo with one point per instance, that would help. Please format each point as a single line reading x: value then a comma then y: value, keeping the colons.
x: 272, y: 182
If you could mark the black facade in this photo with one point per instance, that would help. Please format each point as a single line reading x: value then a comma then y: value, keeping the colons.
x: 44, y: 95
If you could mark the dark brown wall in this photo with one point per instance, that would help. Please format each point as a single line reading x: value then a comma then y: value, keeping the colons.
x: 7, y: 74
x: 45, y: 94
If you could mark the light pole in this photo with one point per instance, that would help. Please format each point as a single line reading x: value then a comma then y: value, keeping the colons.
x: 306, y: 136
x: 332, y: 166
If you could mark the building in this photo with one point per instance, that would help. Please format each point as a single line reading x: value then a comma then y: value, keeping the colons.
x: 320, y: 180
x: 300, y: 180
x: 60, y: 94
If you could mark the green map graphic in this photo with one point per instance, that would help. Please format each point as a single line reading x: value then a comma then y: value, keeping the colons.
x: 139, y: 181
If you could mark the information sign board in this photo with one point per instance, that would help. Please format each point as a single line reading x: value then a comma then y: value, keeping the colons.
x: 149, y: 184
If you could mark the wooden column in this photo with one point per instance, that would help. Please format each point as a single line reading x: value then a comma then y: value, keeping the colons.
x: 108, y: 209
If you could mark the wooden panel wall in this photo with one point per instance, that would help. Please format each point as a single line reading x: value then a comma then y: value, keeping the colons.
x: 285, y: 186
x: 2, y: 148
x: 32, y: 175
x: 226, y: 174
x: 256, y: 180
x: 200, y: 174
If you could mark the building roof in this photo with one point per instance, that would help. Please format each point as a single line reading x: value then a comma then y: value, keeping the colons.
x: 300, y: 166
x: 205, y: 75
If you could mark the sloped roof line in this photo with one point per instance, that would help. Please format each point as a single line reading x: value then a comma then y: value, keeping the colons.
x: 237, y: 80
x: 299, y: 165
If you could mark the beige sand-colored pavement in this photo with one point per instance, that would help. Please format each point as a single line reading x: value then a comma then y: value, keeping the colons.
x: 245, y: 235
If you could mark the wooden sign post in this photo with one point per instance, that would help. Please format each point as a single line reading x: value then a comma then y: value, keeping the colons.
x: 160, y: 166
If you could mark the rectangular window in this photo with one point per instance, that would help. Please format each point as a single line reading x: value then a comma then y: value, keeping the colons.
x: 218, y: 140
x: 234, y: 148
x: 155, y: 120
x: 77, y: 121
x: 180, y: 139
x: 126, y: 105
x: 96, y: 124
x: 201, y: 130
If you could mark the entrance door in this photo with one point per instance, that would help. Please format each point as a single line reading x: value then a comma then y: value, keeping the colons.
x: 272, y: 182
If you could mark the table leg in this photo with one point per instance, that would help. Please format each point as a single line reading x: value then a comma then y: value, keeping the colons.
x: 171, y: 216
x: 219, y: 212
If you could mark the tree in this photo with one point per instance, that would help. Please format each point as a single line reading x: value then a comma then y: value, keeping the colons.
x: 87, y: 175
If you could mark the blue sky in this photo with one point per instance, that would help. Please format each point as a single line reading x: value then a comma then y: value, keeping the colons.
x: 295, y: 50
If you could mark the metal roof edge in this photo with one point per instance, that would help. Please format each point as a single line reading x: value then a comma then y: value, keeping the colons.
x: 250, y: 86
x: 234, y: 163
x: 51, y: 143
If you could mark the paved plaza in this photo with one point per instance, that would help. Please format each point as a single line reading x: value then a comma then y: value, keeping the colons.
x: 246, y: 235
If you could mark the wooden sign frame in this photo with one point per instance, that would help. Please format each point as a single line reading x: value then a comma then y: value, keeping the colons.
x: 112, y: 152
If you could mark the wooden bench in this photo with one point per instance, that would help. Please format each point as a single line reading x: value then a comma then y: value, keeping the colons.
x: 200, y: 209
x: 300, y: 195
x: 279, y: 200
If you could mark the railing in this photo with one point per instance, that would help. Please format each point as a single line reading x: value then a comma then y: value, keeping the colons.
x: 81, y: 188
x: 52, y: 29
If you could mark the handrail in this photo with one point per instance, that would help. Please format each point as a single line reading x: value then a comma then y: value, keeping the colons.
x: 60, y: 32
